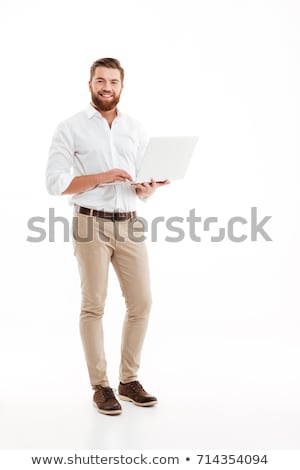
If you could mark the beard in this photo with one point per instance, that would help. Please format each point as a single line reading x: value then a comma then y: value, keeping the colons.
x: 104, y: 105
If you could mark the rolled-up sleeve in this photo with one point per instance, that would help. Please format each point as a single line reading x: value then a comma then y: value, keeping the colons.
x: 59, y: 171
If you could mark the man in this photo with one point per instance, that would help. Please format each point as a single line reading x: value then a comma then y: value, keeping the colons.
x: 98, y: 146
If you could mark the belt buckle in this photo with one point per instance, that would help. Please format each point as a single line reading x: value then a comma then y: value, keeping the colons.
x: 120, y: 216
x: 117, y: 216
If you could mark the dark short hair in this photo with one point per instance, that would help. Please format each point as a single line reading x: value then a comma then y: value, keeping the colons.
x: 109, y: 63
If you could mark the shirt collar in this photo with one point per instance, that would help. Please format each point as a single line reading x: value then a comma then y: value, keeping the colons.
x: 91, y: 111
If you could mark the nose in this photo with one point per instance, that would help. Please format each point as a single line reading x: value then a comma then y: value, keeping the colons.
x: 106, y: 86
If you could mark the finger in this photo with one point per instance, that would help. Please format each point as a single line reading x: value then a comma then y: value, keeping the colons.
x: 123, y: 177
x: 127, y: 177
x: 124, y: 174
x: 139, y: 185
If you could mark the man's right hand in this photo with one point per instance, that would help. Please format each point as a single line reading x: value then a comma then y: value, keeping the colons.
x: 114, y: 175
x: 83, y: 183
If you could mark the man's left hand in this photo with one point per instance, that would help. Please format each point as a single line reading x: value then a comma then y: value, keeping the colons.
x: 145, y: 190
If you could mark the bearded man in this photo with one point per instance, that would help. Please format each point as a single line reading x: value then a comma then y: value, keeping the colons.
x: 97, y: 146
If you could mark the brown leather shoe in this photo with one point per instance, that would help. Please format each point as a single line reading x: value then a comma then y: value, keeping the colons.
x: 105, y: 401
x: 134, y: 392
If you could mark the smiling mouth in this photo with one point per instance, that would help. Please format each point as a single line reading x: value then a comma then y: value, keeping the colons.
x: 106, y: 95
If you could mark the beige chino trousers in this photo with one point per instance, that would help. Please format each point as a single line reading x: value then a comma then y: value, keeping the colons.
x: 97, y: 242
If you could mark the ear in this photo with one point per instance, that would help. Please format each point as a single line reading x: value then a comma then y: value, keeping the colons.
x: 90, y: 86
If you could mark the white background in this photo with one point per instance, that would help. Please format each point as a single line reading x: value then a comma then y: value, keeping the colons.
x: 222, y: 350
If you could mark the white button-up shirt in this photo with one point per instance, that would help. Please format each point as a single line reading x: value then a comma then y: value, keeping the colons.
x: 85, y: 144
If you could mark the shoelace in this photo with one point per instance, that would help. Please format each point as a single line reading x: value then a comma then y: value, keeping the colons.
x: 107, y: 392
x: 136, y: 386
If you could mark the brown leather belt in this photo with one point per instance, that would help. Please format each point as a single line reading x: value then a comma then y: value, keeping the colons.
x: 107, y: 215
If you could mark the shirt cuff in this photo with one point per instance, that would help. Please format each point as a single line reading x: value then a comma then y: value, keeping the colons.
x: 57, y: 185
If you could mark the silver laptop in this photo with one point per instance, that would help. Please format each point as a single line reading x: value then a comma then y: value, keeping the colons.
x: 165, y: 158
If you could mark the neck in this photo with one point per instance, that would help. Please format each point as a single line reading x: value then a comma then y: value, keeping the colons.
x: 108, y: 115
